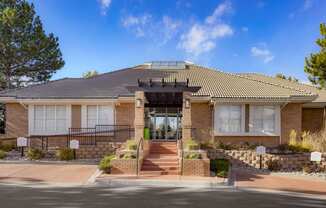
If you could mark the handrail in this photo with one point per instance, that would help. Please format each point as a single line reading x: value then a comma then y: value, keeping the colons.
x: 139, y: 147
x: 180, y: 153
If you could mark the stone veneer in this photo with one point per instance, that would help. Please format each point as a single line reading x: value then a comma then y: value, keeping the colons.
x: 247, y: 158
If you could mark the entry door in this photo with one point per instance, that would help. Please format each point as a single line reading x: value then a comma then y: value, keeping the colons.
x: 160, y: 127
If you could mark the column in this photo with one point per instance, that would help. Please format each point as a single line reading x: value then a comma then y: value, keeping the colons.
x: 139, y: 123
x: 186, y: 116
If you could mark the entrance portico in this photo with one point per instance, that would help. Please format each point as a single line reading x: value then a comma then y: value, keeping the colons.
x: 164, y: 108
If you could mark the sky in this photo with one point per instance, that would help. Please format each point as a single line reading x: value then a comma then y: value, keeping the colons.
x: 235, y: 36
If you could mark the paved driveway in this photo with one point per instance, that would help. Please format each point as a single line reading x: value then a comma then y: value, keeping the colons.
x: 46, y: 173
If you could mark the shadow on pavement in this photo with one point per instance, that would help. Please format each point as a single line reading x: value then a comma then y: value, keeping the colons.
x: 102, y: 196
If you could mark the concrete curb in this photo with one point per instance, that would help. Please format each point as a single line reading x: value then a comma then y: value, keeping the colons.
x: 160, y: 183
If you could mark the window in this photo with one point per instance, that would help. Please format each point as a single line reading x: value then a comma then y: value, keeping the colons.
x: 99, y: 115
x: 263, y: 119
x: 49, y: 119
x: 228, y: 118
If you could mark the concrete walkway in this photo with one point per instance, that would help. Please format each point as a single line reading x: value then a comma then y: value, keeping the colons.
x: 246, y: 179
x: 162, y: 181
x: 47, y: 173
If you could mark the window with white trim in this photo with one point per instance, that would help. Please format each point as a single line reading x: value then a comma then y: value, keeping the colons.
x: 49, y: 119
x: 99, y: 115
x: 228, y: 118
x: 263, y: 119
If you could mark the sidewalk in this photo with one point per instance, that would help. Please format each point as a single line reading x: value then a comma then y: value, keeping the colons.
x: 246, y: 179
x: 168, y: 180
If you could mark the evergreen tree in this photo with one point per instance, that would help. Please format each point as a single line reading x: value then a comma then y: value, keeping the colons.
x: 315, y: 64
x: 90, y: 74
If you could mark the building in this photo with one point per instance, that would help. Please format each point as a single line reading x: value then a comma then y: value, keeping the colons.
x: 171, y: 100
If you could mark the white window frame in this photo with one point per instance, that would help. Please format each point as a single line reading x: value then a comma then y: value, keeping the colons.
x: 277, y: 121
x: 31, y: 113
x: 84, y: 122
x: 242, y: 124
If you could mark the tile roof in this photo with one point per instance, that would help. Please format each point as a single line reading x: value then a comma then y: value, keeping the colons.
x: 214, y: 83
x: 289, y: 84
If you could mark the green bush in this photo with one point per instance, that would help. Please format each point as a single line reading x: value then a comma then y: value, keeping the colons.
x: 128, y: 155
x: 223, y: 146
x: 3, y: 154
x: 146, y: 134
x: 193, y: 156
x: 105, y: 163
x: 220, y: 167
x: 192, y: 144
x: 35, y: 154
x: 273, y: 165
x: 65, y: 154
x: 131, y: 144
x: 7, y: 147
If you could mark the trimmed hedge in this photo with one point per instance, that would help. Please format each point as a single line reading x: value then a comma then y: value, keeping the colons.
x: 65, y: 154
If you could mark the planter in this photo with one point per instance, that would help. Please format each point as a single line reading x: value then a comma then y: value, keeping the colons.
x: 124, y: 166
x: 196, y: 167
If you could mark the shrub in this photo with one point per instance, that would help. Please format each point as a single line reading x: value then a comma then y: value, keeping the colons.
x: 220, y: 167
x: 223, y: 146
x: 146, y: 134
x: 273, y: 165
x: 131, y: 144
x: 35, y: 154
x: 318, y: 141
x: 3, y: 154
x: 293, y: 138
x: 65, y: 154
x: 192, y: 144
x: 193, y: 156
x: 105, y: 163
x: 307, y: 169
x: 128, y: 156
x: 7, y: 147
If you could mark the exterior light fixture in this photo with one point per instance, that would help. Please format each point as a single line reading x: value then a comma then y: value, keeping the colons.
x: 187, y: 103
x: 138, y: 103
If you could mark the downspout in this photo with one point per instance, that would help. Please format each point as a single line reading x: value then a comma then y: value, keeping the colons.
x: 213, y: 127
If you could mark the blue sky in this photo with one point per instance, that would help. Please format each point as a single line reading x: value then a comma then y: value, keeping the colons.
x: 231, y: 35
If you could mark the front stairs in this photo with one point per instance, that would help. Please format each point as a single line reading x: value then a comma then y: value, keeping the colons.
x: 161, y: 160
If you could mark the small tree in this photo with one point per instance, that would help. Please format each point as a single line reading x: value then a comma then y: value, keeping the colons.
x: 90, y: 74
x: 290, y: 78
x: 27, y: 54
x: 315, y: 64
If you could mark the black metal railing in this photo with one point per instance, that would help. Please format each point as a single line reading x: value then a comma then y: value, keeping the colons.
x: 100, y: 133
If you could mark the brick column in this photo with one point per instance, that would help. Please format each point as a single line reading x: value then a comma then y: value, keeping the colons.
x: 139, y: 115
x: 186, y: 116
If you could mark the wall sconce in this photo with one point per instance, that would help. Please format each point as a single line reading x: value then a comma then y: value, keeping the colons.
x: 138, y: 103
x: 187, y: 103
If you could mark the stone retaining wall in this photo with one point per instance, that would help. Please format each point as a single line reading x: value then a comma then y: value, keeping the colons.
x: 247, y: 158
x: 97, y: 151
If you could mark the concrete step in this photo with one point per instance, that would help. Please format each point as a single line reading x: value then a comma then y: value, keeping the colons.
x: 162, y: 156
x: 157, y: 168
x: 166, y: 163
x: 159, y: 172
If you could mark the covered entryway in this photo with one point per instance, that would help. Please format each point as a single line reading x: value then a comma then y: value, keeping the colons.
x: 163, y: 114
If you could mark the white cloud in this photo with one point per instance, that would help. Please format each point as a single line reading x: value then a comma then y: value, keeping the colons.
x: 138, y: 24
x: 262, y: 53
x: 105, y: 4
x: 145, y: 26
x: 201, y: 38
x: 219, y: 11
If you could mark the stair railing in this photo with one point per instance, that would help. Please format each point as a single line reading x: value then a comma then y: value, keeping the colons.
x: 180, y: 154
x: 139, y: 154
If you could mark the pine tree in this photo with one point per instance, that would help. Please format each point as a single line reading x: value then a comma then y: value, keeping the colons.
x: 315, y: 65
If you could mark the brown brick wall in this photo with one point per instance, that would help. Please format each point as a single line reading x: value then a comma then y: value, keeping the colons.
x: 16, y: 120
x: 291, y: 116
x: 201, y: 119
x: 125, y: 114
x: 75, y: 116
x: 312, y: 119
